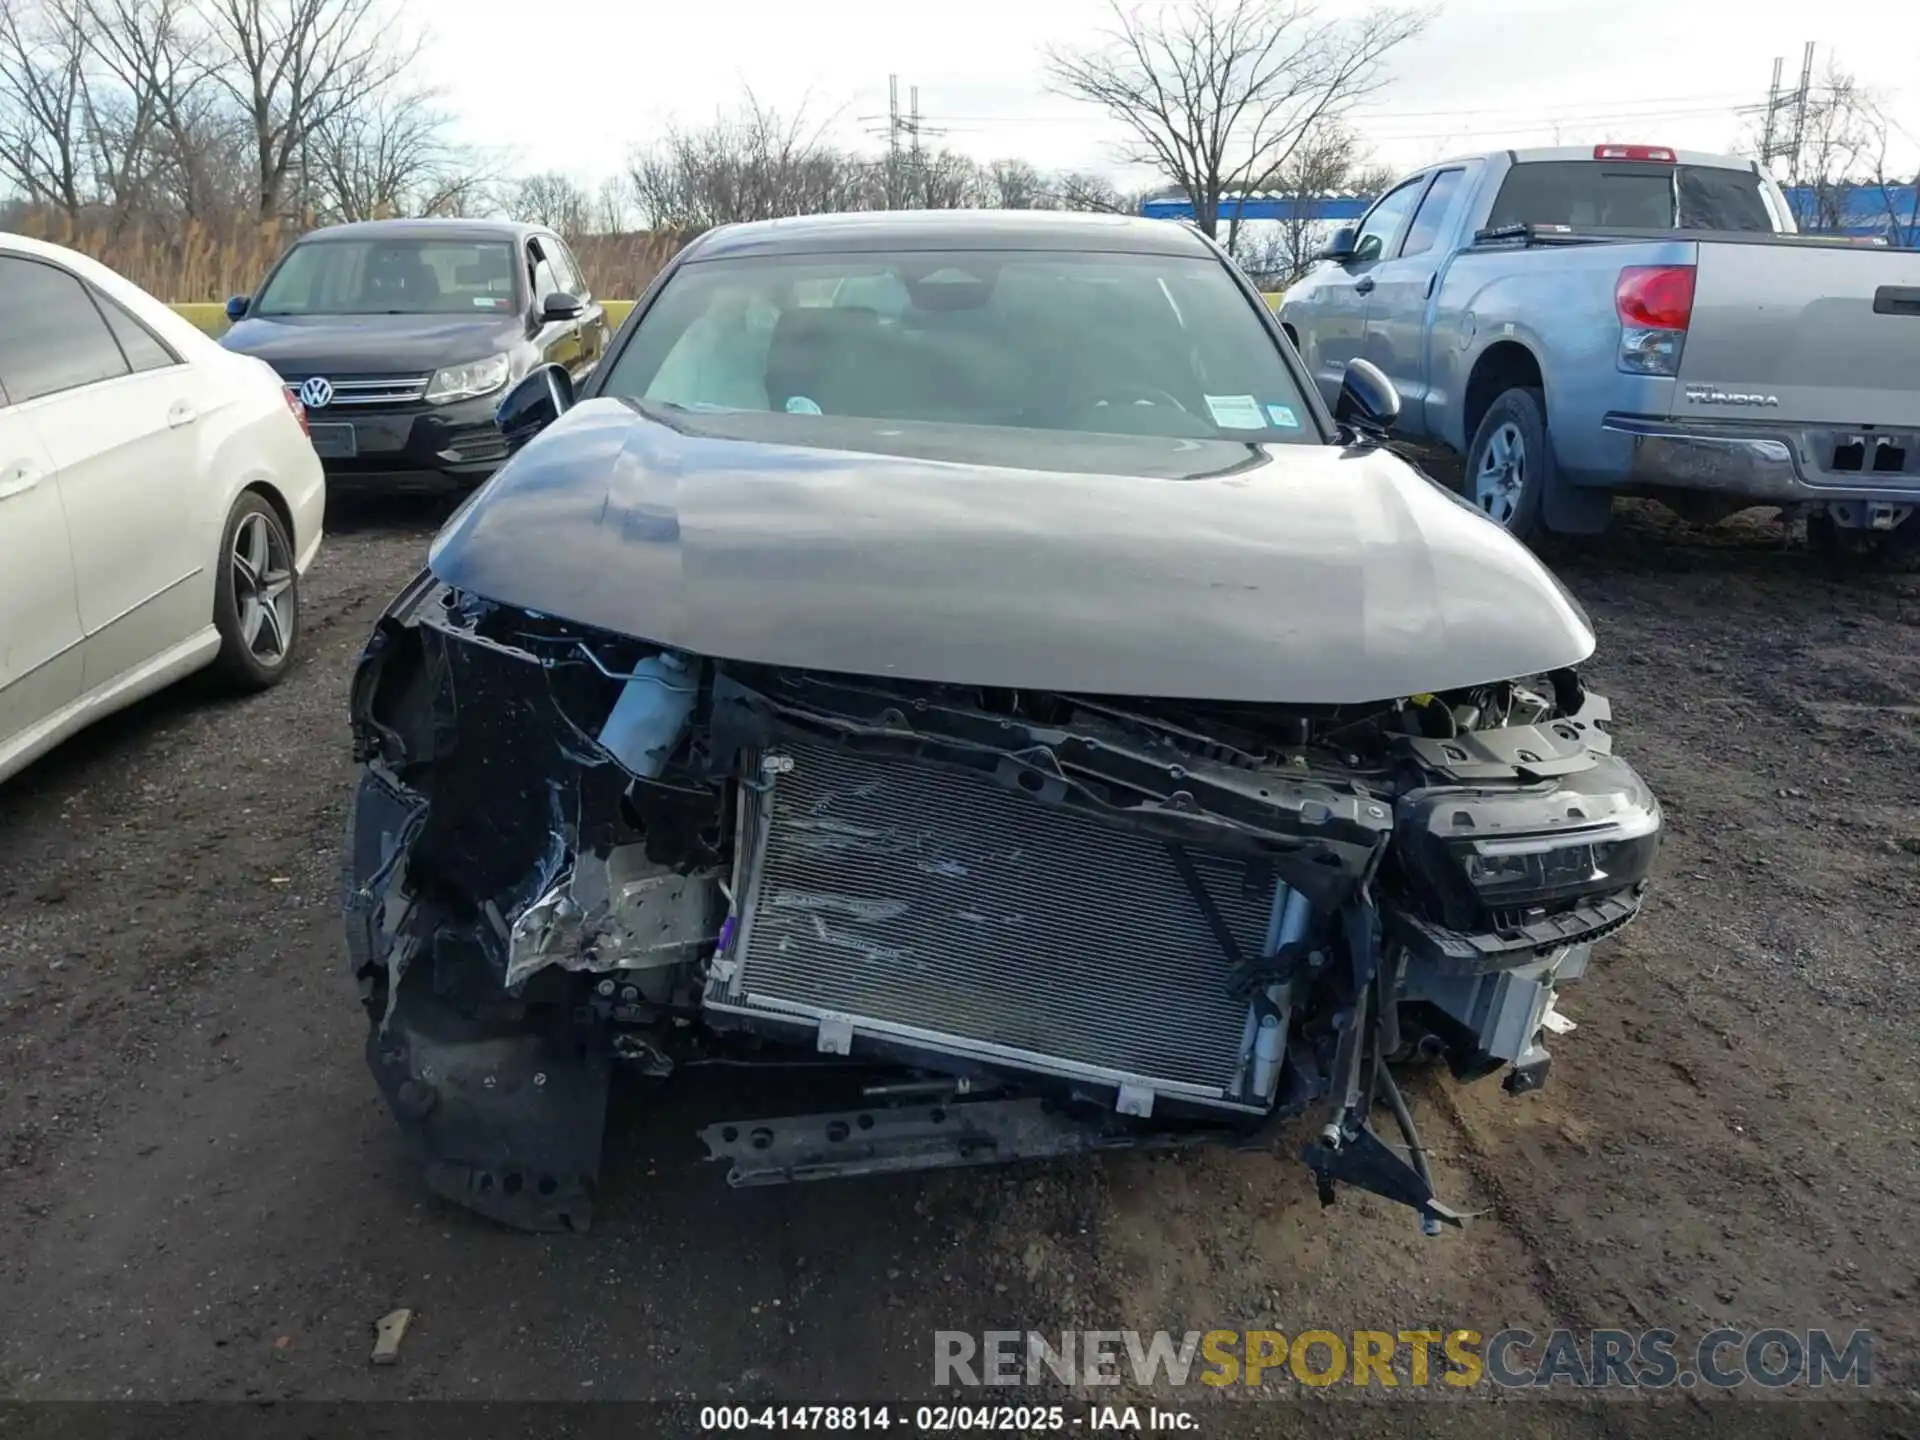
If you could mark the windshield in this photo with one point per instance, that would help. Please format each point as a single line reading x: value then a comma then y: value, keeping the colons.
x: 1592, y: 194
x: 391, y: 277
x: 1145, y: 345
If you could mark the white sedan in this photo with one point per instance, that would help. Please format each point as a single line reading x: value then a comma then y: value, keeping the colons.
x: 159, y: 502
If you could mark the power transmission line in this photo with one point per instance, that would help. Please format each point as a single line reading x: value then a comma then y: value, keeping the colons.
x: 906, y: 158
x: 1785, y: 127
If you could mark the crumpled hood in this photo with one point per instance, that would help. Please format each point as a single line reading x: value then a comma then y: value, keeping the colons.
x: 1285, y: 574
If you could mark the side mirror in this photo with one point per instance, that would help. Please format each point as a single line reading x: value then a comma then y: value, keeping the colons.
x: 237, y: 307
x: 541, y: 397
x: 1368, y: 403
x: 1341, y: 246
x: 560, y: 307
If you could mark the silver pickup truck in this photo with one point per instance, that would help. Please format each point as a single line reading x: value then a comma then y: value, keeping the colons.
x: 1626, y: 319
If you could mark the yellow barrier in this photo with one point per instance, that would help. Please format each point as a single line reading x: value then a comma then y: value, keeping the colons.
x: 209, y: 317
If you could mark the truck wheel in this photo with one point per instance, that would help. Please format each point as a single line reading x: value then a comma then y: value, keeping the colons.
x: 1848, y: 550
x: 1509, y: 464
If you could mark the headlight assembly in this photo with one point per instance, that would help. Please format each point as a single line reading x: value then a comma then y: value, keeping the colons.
x: 1476, y: 859
x: 464, y: 382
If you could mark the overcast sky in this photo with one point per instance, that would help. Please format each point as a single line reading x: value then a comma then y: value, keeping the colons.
x: 1486, y: 73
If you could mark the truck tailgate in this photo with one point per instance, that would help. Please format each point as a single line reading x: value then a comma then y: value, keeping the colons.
x: 1797, y: 323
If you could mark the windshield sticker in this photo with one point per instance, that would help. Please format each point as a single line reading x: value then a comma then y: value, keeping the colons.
x: 1236, y: 412
x: 801, y: 405
x: 1283, y: 417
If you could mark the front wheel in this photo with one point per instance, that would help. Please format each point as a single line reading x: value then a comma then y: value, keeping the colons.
x: 1509, y: 463
x: 256, y: 598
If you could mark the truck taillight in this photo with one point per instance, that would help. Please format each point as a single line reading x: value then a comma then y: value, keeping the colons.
x: 299, y: 411
x: 1659, y: 297
x: 1655, y: 306
x: 1653, y: 154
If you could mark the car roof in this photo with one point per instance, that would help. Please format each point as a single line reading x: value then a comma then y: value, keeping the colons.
x: 426, y: 230
x: 156, y: 314
x: 870, y: 230
x: 1540, y: 154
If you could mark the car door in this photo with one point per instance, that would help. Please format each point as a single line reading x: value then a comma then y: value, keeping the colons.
x: 1340, y: 328
x: 116, y: 410
x: 559, y: 341
x: 593, y: 321
x: 1403, y: 284
x: 40, y: 634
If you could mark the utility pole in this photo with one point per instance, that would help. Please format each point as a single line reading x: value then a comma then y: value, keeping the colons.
x: 899, y: 194
x: 918, y: 162
x: 1783, y: 128
x: 906, y: 162
x: 1774, y: 98
x: 1800, y: 100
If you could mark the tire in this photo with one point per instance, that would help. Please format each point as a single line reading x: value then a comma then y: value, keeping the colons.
x: 256, y: 607
x: 1510, y: 464
x: 1848, y: 551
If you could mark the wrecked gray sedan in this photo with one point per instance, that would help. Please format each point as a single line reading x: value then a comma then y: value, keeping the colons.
x: 961, y: 651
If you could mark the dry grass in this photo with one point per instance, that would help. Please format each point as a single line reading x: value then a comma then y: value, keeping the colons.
x: 204, y: 264
x: 624, y: 264
x: 195, y: 263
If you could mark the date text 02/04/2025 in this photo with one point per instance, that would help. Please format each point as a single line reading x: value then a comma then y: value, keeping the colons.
x: 941, y: 1419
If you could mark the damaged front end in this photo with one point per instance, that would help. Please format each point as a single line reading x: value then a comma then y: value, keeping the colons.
x: 1055, y: 923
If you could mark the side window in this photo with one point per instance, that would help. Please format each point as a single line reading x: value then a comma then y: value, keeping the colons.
x: 1382, y: 225
x: 541, y: 271
x: 567, y: 269
x: 53, y: 338
x: 1432, y: 214
x: 144, y: 350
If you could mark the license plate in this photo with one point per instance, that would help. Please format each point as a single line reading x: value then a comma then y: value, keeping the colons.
x: 334, y: 442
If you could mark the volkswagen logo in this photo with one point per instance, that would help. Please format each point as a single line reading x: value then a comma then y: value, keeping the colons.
x: 317, y: 393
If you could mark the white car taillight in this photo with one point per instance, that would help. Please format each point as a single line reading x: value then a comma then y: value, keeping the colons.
x: 1655, y: 306
x: 299, y: 410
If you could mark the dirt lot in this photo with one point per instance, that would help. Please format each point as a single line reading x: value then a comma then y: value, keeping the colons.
x: 201, y: 1197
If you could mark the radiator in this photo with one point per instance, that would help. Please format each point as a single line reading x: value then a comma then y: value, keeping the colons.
x: 906, y: 900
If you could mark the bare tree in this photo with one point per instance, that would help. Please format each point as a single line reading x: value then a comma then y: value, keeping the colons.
x: 1016, y: 185
x: 1329, y: 162
x: 294, y: 67
x: 1080, y: 190
x: 948, y: 180
x: 43, y: 83
x: 176, y: 138
x: 391, y: 154
x: 556, y: 201
x: 179, y: 145
x: 1842, y: 131
x: 612, y: 206
x: 1321, y: 166
x: 1897, y: 198
x: 1217, y: 95
x: 133, y: 112
x: 753, y: 165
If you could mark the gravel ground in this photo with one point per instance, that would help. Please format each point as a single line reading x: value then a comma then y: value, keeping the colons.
x: 200, y: 1195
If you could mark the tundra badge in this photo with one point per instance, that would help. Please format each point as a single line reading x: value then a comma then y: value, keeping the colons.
x: 1707, y: 395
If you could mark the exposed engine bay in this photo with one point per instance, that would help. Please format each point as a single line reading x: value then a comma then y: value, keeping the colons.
x: 1048, y: 923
